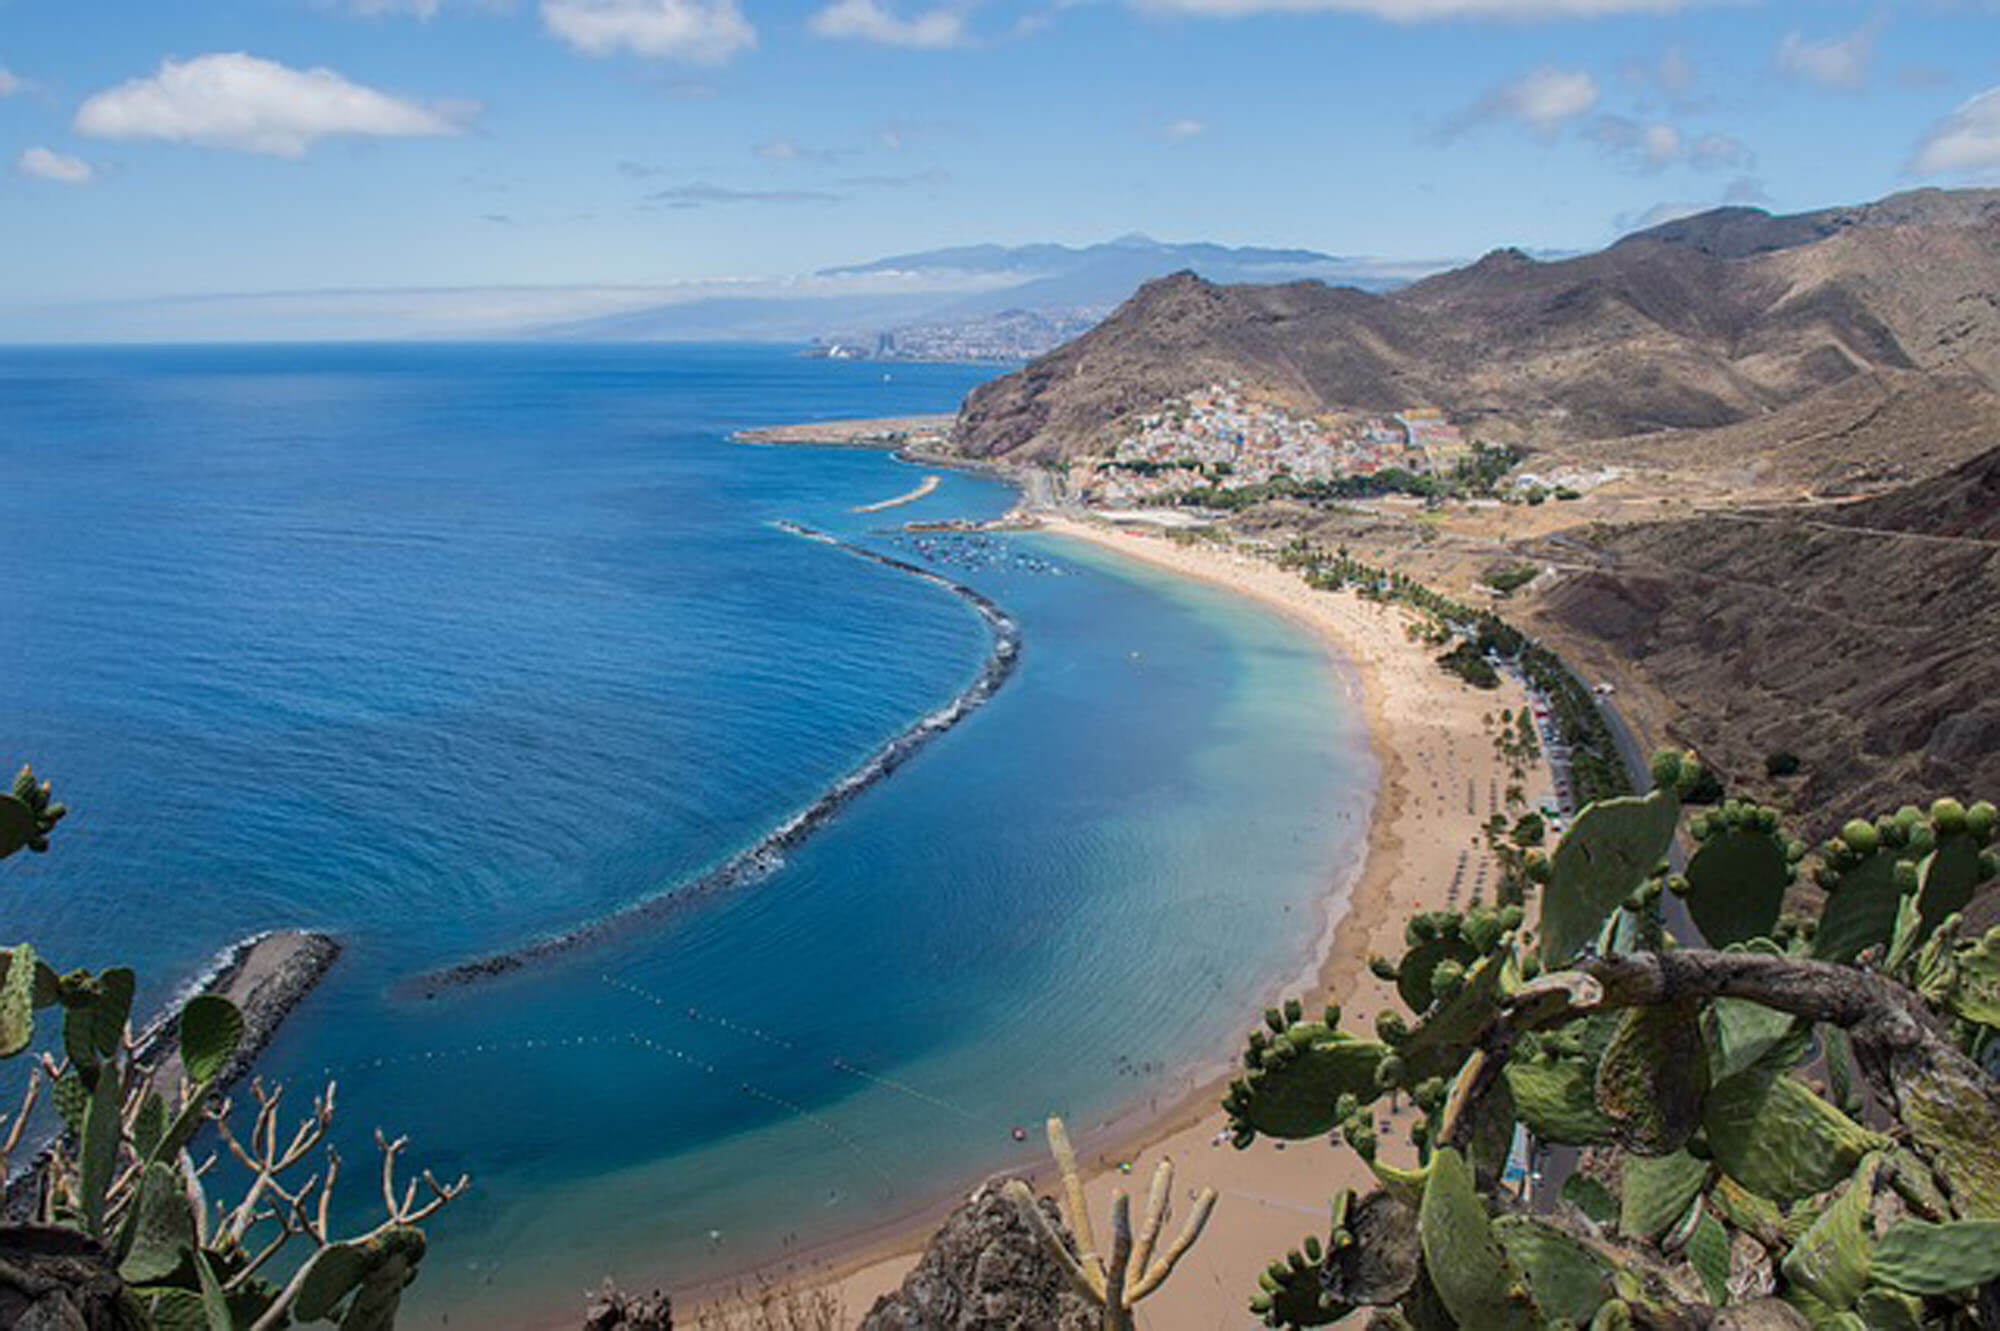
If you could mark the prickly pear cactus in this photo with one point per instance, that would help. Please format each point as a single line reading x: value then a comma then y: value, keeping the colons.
x: 27, y: 815
x: 1608, y: 854
x: 1296, y: 1074
x: 1736, y: 880
x: 1476, y: 1279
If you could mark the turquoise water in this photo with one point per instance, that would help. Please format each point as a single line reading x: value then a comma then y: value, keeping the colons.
x: 447, y: 649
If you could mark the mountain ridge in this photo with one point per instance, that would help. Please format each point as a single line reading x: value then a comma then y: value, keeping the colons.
x: 1700, y: 323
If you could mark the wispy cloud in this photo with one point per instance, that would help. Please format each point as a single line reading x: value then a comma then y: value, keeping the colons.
x: 704, y: 32
x: 1838, y: 63
x: 702, y: 196
x: 1965, y: 142
x: 871, y: 21
x: 10, y: 82
x: 912, y: 180
x: 46, y: 164
x: 1656, y: 145
x: 791, y: 150
x: 238, y: 101
x: 1544, y: 101
x: 1175, y: 131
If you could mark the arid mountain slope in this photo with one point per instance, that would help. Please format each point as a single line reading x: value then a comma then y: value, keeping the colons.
x: 1861, y: 636
x: 1704, y: 323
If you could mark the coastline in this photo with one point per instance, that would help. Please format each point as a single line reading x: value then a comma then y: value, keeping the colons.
x: 1436, y: 772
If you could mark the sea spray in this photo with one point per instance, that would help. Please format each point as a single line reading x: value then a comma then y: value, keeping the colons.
x: 766, y: 854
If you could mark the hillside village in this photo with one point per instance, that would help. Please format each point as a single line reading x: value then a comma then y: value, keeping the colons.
x: 1221, y: 438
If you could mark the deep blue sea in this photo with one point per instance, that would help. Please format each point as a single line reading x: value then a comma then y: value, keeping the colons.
x: 448, y: 648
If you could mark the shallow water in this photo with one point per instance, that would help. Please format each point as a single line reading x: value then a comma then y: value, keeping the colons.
x: 446, y: 649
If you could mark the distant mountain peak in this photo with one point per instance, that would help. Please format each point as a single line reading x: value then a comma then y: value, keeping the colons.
x: 1134, y: 240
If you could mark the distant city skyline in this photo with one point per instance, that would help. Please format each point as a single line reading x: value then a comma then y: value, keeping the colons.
x: 503, y: 163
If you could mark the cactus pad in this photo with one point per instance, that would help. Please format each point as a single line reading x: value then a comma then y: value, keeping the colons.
x: 1775, y: 1137
x: 1652, y: 1078
x: 1299, y: 1078
x: 1938, y: 1259
x: 1607, y: 854
x: 1736, y: 881
x: 1475, y: 1279
x: 1656, y: 1192
x: 1569, y: 1280
x: 1832, y: 1258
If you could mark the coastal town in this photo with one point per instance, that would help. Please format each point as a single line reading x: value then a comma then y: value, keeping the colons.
x: 1222, y: 438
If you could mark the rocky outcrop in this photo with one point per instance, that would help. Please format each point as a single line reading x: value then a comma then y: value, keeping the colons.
x: 983, y: 1271
x: 612, y: 1309
x: 60, y: 1280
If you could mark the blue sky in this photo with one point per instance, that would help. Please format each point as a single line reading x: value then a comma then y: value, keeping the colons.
x: 592, y: 146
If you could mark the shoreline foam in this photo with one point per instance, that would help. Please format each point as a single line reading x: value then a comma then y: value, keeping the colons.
x: 756, y: 860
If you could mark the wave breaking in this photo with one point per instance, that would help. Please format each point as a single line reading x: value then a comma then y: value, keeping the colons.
x: 767, y: 853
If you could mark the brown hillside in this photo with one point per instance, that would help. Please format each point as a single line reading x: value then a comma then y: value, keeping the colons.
x: 1709, y: 322
x: 1859, y: 636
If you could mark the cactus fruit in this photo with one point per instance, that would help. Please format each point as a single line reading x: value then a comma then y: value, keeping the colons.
x: 1863, y: 893
x: 1652, y: 1078
x: 1296, y: 1079
x: 1938, y: 1259
x: 1607, y: 854
x: 1736, y: 880
x: 1475, y: 1278
x: 1656, y: 1191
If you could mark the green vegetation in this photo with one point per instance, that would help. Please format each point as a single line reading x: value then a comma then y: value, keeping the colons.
x: 1766, y: 1129
x: 1507, y: 579
x: 1782, y: 763
x: 1596, y: 769
x: 123, y: 1174
x: 1468, y: 664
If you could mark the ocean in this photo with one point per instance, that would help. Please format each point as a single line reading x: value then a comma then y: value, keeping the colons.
x: 450, y: 649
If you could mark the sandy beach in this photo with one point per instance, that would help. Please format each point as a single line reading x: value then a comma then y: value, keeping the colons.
x: 1439, y: 780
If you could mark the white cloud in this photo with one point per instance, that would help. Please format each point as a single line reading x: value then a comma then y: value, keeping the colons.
x: 1966, y: 140
x: 869, y: 21
x: 1720, y: 151
x: 10, y: 82
x: 1543, y: 101
x: 234, y: 100
x: 706, y: 32
x: 1419, y: 11
x: 422, y: 9
x: 1178, y: 130
x: 44, y: 164
x: 1836, y: 62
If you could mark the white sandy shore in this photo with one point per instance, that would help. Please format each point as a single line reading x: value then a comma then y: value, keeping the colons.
x: 1440, y: 779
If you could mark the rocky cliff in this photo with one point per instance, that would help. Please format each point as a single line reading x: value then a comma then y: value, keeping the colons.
x: 983, y: 1271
